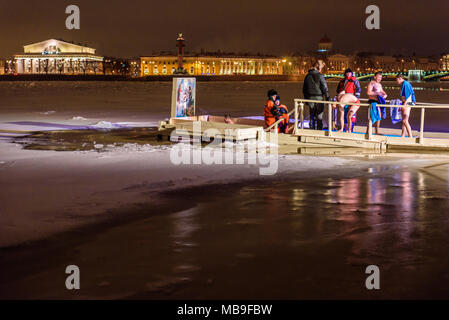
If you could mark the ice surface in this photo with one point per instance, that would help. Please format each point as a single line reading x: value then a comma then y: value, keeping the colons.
x: 44, y: 192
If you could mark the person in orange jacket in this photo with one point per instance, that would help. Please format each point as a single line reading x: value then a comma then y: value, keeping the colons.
x: 271, y: 111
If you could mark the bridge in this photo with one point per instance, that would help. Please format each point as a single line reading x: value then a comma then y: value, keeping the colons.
x: 435, y: 75
x: 412, y: 75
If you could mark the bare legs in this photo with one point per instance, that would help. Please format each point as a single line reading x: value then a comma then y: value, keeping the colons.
x: 405, y: 124
x: 376, y: 127
x: 351, y: 113
x: 341, y: 112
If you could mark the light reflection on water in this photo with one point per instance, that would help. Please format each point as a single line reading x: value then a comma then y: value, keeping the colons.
x: 391, y: 217
x: 299, y: 239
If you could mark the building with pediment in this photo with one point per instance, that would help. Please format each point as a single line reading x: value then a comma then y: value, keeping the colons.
x: 57, y: 57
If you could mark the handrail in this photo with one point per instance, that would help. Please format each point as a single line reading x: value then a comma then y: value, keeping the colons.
x: 277, y: 122
x: 418, y: 103
x: 420, y: 106
x: 300, y: 102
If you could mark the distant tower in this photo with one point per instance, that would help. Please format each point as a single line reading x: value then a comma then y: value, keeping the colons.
x: 325, y: 45
x: 180, y: 45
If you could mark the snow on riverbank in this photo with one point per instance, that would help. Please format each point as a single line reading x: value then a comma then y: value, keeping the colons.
x: 45, y: 192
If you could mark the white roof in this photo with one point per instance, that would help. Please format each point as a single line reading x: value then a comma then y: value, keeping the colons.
x: 61, y: 46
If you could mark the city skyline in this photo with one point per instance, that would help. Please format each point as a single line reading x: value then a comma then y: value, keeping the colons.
x: 246, y: 27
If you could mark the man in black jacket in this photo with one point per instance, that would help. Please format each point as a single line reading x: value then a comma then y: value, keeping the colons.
x: 315, y: 88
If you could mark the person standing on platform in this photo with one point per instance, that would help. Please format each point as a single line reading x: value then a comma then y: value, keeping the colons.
x: 315, y: 88
x: 376, y: 94
x: 408, y: 99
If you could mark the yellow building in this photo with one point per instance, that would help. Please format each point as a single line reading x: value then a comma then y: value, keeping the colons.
x: 445, y: 62
x: 211, y: 65
x: 338, y: 63
x: 56, y: 56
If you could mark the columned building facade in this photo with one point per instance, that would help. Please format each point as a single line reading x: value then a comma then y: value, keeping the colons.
x: 57, y: 57
x: 211, y: 65
x: 338, y: 63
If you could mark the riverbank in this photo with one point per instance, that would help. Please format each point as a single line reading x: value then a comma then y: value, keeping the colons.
x: 162, y: 78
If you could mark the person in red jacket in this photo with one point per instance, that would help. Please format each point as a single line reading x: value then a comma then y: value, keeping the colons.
x: 349, y: 84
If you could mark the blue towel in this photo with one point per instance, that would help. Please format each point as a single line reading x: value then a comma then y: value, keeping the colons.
x: 407, y: 91
x: 374, y: 111
x: 395, y: 114
x: 382, y: 100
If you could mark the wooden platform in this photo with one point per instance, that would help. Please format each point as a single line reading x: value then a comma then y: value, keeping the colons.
x: 244, y: 129
x: 201, y: 125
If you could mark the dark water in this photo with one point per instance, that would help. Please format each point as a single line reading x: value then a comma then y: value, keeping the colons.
x: 84, y: 140
x: 280, y: 240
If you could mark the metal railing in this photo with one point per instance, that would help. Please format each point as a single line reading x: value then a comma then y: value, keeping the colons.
x: 276, y: 124
x: 299, y: 104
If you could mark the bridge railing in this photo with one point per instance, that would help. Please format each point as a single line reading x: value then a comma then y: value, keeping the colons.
x: 299, y: 114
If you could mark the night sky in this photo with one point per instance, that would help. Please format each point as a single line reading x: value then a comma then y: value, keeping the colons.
x: 141, y: 27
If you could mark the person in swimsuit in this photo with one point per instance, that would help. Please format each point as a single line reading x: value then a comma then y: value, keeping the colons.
x: 343, y: 99
x: 408, y: 99
x: 375, y: 91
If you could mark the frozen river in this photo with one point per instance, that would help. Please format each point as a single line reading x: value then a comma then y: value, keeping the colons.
x: 290, y: 239
x: 139, y: 226
x: 90, y: 102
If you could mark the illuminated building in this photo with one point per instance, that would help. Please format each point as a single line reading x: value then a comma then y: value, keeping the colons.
x: 57, y: 57
x: 386, y: 63
x: 325, y: 45
x: 211, y: 65
x: 444, y: 62
x: 338, y: 63
x: 208, y: 65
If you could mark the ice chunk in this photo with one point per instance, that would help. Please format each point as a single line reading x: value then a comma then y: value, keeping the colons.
x: 106, y: 125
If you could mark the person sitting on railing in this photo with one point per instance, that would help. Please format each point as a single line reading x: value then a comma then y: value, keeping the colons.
x: 271, y: 111
x: 349, y: 84
x: 283, y: 113
x: 408, y: 98
x: 343, y: 100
